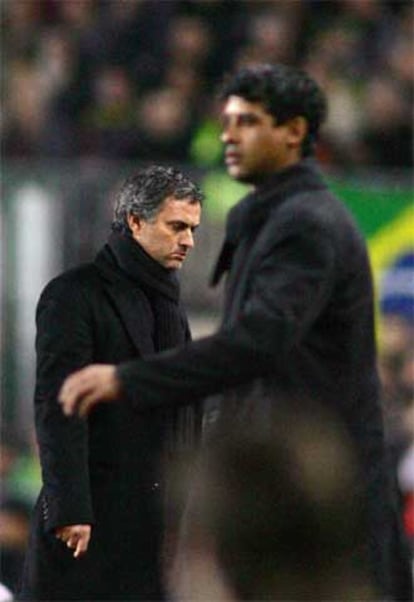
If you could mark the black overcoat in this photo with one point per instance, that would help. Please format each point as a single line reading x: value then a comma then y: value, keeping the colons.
x: 298, y: 320
x: 106, y: 470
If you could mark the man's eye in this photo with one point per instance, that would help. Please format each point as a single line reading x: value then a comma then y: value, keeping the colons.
x: 248, y: 120
x: 177, y: 227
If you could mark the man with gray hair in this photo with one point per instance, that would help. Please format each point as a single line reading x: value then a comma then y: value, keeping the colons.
x: 98, y: 524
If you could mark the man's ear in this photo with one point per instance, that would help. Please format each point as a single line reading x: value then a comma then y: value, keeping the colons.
x: 134, y: 223
x: 297, y: 130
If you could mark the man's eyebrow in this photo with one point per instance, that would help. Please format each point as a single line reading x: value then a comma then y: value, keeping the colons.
x: 181, y: 222
x: 239, y: 115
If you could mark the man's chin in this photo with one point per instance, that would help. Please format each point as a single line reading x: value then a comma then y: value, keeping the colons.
x: 235, y: 172
x: 239, y: 175
x: 244, y: 176
x: 173, y: 264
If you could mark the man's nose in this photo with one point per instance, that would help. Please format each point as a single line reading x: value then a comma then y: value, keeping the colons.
x: 228, y: 135
x: 187, y: 239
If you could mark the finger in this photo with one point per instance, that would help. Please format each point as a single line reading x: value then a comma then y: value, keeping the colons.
x: 72, y: 394
x: 72, y: 541
x: 82, y: 546
x: 70, y: 389
x: 69, y: 406
x: 67, y: 398
x: 86, y: 404
x: 62, y: 536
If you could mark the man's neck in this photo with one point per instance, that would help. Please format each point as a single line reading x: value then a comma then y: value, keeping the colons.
x: 260, y: 179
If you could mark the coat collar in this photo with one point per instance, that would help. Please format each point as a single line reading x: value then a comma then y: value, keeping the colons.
x: 252, y: 211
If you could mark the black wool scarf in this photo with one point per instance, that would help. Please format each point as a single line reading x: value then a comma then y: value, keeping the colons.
x: 159, y: 284
x: 161, y: 287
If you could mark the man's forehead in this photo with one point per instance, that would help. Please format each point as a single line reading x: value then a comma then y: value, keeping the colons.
x: 174, y: 201
x: 184, y: 208
x: 238, y: 105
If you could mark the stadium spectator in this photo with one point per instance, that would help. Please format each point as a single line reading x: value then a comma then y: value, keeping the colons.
x: 165, y: 125
x: 109, y: 120
x: 396, y: 363
x: 387, y: 134
x: 15, y: 506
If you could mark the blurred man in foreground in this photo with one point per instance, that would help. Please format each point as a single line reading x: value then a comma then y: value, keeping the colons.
x: 298, y: 316
x: 270, y: 516
x: 98, y: 525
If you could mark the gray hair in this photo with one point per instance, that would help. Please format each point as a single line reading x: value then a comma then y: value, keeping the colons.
x: 144, y: 192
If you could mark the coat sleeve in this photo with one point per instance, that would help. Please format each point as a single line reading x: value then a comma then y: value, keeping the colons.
x: 288, y: 288
x: 63, y: 344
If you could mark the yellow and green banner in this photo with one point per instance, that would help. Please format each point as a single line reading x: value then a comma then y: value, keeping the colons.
x: 386, y: 216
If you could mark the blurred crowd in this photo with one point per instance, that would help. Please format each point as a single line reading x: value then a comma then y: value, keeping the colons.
x: 136, y: 79
x: 396, y: 370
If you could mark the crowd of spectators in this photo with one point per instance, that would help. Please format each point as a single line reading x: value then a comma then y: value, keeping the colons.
x: 20, y: 484
x: 136, y: 79
x: 396, y: 369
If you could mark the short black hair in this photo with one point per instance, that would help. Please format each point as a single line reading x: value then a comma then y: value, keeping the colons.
x: 285, y: 92
x: 143, y: 193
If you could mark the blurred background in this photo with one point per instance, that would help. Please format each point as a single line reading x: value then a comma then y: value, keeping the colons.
x: 93, y: 88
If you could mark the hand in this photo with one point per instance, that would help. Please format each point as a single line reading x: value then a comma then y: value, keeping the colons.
x: 82, y: 390
x: 76, y: 537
